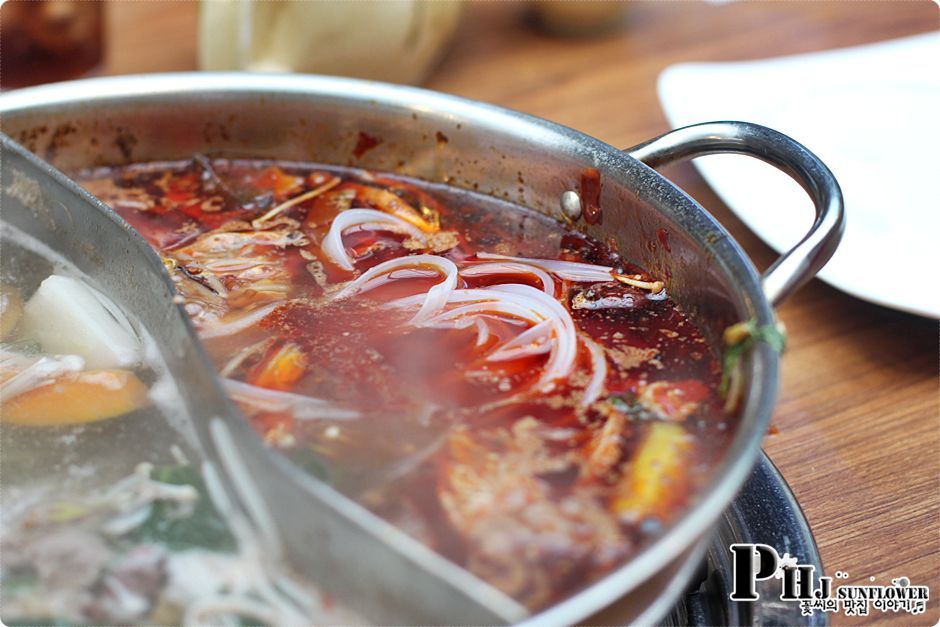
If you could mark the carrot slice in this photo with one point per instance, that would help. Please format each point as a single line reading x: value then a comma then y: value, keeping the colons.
x: 276, y: 180
x: 388, y: 202
x: 658, y: 476
x: 84, y: 397
x: 281, y: 370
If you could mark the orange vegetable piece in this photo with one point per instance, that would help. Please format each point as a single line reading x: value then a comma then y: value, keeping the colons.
x: 425, y: 198
x: 84, y: 397
x: 388, y: 202
x: 658, y: 477
x: 674, y: 400
x: 276, y: 180
x: 281, y: 370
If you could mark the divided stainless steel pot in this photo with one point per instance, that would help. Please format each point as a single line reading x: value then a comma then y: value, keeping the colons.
x: 387, y: 575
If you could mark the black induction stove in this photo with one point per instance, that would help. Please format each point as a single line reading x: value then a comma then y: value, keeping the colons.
x: 764, y: 512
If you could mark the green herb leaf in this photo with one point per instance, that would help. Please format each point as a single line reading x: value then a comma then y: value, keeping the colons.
x: 741, y: 337
x: 18, y: 581
x: 204, y: 528
x: 631, y: 407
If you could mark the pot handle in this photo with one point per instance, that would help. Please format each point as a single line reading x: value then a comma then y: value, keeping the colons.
x: 804, y: 260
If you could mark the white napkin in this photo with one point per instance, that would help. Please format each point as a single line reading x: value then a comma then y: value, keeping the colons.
x: 872, y: 114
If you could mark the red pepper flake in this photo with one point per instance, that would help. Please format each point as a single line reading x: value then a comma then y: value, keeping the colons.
x: 663, y: 236
x: 366, y: 143
x: 591, y: 196
x: 773, y: 430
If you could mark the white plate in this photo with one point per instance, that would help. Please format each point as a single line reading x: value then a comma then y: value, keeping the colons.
x: 872, y: 114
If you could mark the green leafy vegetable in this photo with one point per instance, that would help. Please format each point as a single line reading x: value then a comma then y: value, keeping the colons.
x: 18, y: 581
x: 203, y: 528
x: 740, y: 338
x: 631, y: 407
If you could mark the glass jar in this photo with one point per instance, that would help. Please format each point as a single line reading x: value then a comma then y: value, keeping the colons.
x: 399, y: 41
x: 48, y: 40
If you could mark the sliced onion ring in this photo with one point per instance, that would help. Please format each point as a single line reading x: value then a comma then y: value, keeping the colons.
x: 536, y: 340
x: 435, y: 298
x: 301, y: 407
x: 595, y: 386
x: 567, y: 270
x: 562, y: 359
x: 221, y: 328
x: 518, y: 301
x: 452, y: 318
x: 510, y: 267
x: 483, y: 331
x: 369, y: 219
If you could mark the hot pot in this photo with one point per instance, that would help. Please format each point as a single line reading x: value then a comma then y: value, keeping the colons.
x: 385, y: 574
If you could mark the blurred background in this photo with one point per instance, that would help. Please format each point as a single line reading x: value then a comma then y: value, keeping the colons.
x: 497, y: 51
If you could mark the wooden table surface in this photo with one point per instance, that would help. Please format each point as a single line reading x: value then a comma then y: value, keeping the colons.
x: 858, y: 419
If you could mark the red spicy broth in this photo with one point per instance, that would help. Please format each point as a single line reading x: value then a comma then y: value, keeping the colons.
x: 513, y: 393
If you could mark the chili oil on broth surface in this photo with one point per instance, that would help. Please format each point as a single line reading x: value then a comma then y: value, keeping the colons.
x: 510, y: 392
